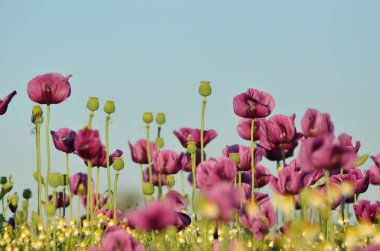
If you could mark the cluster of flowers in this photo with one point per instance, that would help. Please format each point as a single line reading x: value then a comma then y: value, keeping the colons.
x: 325, y: 175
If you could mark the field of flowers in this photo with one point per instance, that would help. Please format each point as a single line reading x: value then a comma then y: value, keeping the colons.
x: 316, y: 187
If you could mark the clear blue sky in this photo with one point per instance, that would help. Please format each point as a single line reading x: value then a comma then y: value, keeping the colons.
x: 151, y: 55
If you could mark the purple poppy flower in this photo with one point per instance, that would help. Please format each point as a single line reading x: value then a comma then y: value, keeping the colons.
x: 261, y: 222
x: 64, y: 139
x: 101, y: 159
x: 346, y: 140
x: 139, y: 152
x: 184, y: 160
x: 182, y: 221
x: 156, y: 216
x: 326, y: 152
x: 186, y: 135
x: 166, y: 162
x: 78, y: 184
x: 60, y: 201
x: 226, y: 207
x: 253, y: 104
x: 213, y: 171
x: 244, y: 129
x: 120, y: 239
x: 371, y: 247
x: 5, y: 101
x: 102, y: 200
x: 262, y: 176
x: 374, y: 171
x: 244, y: 155
x: 259, y: 198
x: 175, y: 200
x: 367, y: 212
x: 315, y: 123
x: 87, y: 143
x: 154, y: 177
x: 50, y: 88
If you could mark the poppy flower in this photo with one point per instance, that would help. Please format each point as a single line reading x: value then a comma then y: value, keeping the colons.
x: 64, y: 139
x: 315, y: 123
x: 139, y: 151
x: 101, y: 159
x: 186, y: 135
x: 87, y: 143
x: 166, y: 162
x: 50, y: 88
x: 5, y: 101
x: 253, y: 104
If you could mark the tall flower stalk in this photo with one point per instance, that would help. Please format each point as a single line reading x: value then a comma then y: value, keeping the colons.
x: 204, y: 90
x: 148, y: 118
x: 47, y: 149
x: 109, y: 107
x: 253, y: 160
x: 68, y: 187
x: 37, y: 119
x: 118, y: 165
x: 192, y: 149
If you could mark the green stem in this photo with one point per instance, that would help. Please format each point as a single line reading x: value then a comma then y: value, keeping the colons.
x: 142, y: 182
x: 203, y: 126
x: 240, y: 191
x: 253, y: 160
x: 193, y: 166
x: 148, y: 152
x: 327, y: 220
x: 79, y: 213
x: 68, y: 186
x: 64, y: 200
x: 97, y: 188
x: 159, y: 186
x: 38, y: 143
x: 183, y: 182
x: 90, y: 119
x: 108, y: 160
x: 283, y: 155
x: 115, y: 201
x: 47, y: 152
x: 54, y: 222
x: 90, y: 197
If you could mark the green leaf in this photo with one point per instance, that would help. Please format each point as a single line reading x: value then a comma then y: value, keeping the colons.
x: 362, y: 160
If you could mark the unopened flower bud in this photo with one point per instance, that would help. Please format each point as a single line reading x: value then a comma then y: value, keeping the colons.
x: 7, y: 187
x: 93, y: 104
x: 160, y: 142
x: 55, y: 179
x: 109, y: 107
x: 14, y: 200
x: 191, y: 147
x: 235, y: 157
x: 118, y: 164
x: 3, y: 180
x: 148, y: 117
x: 148, y: 188
x: 50, y: 209
x: 160, y: 118
x: 37, y: 115
x: 205, y: 89
x: 27, y: 194
x: 170, y: 180
x: 64, y: 180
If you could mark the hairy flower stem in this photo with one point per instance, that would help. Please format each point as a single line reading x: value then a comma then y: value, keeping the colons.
x: 90, y: 197
x: 47, y: 151
x: 203, y: 126
x: 148, y: 153
x: 115, y: 201
x: 38, y: 145
x: 193, y: 165
x: 108, y: 160
x: 97, y: 188
x: 253, y: 160
x: 68, y: 186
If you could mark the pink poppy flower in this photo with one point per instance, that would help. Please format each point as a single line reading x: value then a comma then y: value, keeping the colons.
x: 50, y: 88
x: 244, y: 155
x: 139, y: 152
x: 78, y: 184
x: 315, y: 123
x: 5, y: 101
x: 185, y: 135
x: 374, y: 171
x: 244, y: 129
x: 87, y: 143
x: 253, y: 104
x: 166, y: 162
x: 154, y: 177
x: 120, y: 239
x: 64, y: 139
x: 101, y: 159
x: 366, y: 212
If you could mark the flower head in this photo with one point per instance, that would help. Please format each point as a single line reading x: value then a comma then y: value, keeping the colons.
x: 186, y: 135
x: 120, y: 239
x: 87, y: 143
x: 5, y: 101
x: 64, y: 139
x: 166, y: 162
x: 315, y: 123
x: 253, y: 104
x: 101, y: 159
x: 139, y: 151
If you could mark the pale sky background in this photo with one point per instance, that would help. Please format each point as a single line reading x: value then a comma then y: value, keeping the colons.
x: 151, y: 55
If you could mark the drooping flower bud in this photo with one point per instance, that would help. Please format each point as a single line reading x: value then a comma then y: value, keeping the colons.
x: 93, y: 104
x: 109, y: 107
x: 191, y: 147
x: 148, y: 188
x: 118, y: 164
x: 205, y: 88
x: 160, y: 118
x: 55, y: 179
x: 148, y: 117
x: 3, y: 180
x: 27, y: 194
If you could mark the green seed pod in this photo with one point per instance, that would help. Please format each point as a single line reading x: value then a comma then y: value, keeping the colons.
x: 205, y: 89
x: 109, y: 107
x: 14, y: 200
x: 3, y: 180
x: 25, y: 205
x: 235, y: 157
x: 160, y: 118
x: 148, y: 188
x: 55, y: 179
x: 160, y: 143
x: 191, y: 147
x: 118, y: 164
x: 64, y: 180
x: 50, y: 209
x: 27, y: 194
x: 93, y: 104
x: 170, y: 180
x: 148, y: 117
